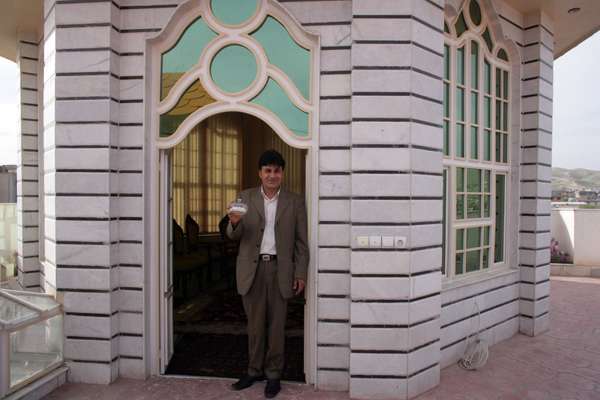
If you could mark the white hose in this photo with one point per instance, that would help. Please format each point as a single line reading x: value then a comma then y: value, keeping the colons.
x: 476, y: 353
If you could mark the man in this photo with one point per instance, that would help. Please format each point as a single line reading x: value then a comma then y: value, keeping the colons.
x: 271, y: 267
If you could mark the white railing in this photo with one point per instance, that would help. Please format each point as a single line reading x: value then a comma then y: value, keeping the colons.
x: 577, y: 231
x: 8, y: 240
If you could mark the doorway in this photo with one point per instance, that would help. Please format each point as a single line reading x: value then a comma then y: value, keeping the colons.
x: 216, y: 160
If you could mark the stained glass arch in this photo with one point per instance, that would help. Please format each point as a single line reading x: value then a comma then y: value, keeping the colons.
x: 248, y: 54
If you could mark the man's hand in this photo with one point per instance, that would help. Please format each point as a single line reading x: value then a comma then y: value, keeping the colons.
x: 298, y: 286
x: 234, y: 217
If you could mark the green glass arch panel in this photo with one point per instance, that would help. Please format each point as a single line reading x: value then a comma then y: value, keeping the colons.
x: 461, y: 25
x: 488, y: 39
x: 446, y: 28
x: 502, y: 55
x: 184, y: 55
x: 194, y: 98
x: 283, y: 52
x: 233, y: 68
x: 233, y: 12
x: 475, y: 12
x: 273, y: 98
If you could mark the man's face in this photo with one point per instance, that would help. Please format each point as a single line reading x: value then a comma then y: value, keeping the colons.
x: 270, y: 176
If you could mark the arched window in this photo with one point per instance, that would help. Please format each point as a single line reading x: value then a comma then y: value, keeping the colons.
x: 476, y: 144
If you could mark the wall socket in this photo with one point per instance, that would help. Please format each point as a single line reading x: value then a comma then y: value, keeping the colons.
x: 399, y: 242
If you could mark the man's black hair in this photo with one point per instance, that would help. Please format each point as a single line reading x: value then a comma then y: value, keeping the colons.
x: 271, y: 157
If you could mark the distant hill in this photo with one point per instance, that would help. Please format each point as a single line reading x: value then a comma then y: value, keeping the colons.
x: 575, y: 179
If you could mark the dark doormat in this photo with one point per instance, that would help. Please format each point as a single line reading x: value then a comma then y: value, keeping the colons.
x: 225, y: 355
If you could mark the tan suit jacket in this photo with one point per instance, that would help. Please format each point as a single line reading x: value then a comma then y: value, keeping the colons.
x: 290, y: 239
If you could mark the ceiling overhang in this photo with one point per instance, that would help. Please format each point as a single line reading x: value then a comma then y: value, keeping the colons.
x: 18, y: 17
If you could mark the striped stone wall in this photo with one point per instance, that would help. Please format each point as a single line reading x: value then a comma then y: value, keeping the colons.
x: 27, y: 164
x: 396, y: 172
x: 536, y: 174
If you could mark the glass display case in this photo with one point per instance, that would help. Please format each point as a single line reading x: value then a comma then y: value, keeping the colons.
x: 31, y: 338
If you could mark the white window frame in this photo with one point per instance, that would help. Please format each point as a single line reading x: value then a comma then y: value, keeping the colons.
x: 451, y: 161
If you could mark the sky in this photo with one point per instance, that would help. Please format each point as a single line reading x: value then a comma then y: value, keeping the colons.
x: 576, y: 114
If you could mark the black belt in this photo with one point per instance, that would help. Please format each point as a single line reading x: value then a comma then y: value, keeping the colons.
x: 267, y: 257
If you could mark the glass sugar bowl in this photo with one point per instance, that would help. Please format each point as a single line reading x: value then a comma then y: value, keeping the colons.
x: 238, y: 207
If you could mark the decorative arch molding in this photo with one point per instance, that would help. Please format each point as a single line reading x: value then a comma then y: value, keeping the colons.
x: 491, y: 20
x: 277, y: 94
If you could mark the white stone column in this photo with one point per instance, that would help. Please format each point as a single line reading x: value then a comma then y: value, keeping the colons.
x: 81, y: 169
x: 536, y: 174
x: 27, y: 164
x: 396, y: 161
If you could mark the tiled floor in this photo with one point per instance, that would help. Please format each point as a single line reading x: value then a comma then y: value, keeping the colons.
x: 563, y: 364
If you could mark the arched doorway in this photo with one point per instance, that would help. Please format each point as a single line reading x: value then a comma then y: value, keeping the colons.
x: 216, y: 160
x: 215, y: 57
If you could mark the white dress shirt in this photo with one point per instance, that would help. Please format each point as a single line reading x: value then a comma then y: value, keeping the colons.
x: 268, y: 242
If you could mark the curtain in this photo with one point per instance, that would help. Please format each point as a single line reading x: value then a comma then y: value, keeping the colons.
x: 218, y: 159
x: 206, y: 171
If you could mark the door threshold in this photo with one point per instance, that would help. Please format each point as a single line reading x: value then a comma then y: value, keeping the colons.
x: 221, y: 378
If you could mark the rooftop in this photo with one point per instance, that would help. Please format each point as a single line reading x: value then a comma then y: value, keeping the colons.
x: 561, y: 364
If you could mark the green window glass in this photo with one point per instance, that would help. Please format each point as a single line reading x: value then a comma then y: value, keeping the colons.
x: 505, y: 116
x: 505, y: 148
x: 474, y: 65
x: 498, y: 82
x: 487, y: 77
x: 505, y: 80
x: 487, y: 145
x: 460, y: 179
x: 446, y: 29
x: 460, y: 66
x: 460, y: 206
x: 473, y: 180
x: 460, y: 239
x: 486, y: 236
x: 444, y: 218
x: 446, y: 62
x: 498, y: 147
x: 486, y: 206
x: 459, y: 263
x: 474, y: 108
x: 502, y: 55
x: 273, y: 98
x: 486, y: 180
x: 499, y: 233
x: 486, y: 258
x: 446, y: 138
x: 192, y: 99
x: 474, y: 143
x: 233, y: 12
x: 487, y: 112
x: 473, y: 206
x: 460, y: 140
x: 233, y: 68
x: 460, y: 104
x: 184, y: 54
x: 498, y: 115
x: 461, y: 25
x: 488, y: 39
x: 283, y: 52
x: 446, y: 100
x: 475, y: 12
x: 473, y: 261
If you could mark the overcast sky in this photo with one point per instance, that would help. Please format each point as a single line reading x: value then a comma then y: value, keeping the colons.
x: 576, y: 137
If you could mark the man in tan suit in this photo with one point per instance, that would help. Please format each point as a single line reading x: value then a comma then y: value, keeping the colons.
x: 271, y: 267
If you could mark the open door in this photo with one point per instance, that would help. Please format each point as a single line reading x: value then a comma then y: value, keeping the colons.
x: 166, y: 261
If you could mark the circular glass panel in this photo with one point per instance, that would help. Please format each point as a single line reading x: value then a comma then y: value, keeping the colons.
x: 233, y: 12
x: 233, y: 68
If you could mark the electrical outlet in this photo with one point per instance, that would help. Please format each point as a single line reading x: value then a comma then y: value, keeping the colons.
x: 375, y: 241
x: 362, y: 241
x: 387, y: 242
x: 399, y: 242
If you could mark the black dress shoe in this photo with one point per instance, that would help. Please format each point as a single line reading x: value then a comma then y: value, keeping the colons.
x: 273, y: 387
x: 246, y: 381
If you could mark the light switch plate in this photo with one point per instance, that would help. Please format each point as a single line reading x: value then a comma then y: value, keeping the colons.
x: 375, y: 241
x: 387, y: 242
x: 399, y: 242
x: 362, y: 241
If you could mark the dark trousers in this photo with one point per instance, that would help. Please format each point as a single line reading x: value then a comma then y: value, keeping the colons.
x: 266, y: 310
